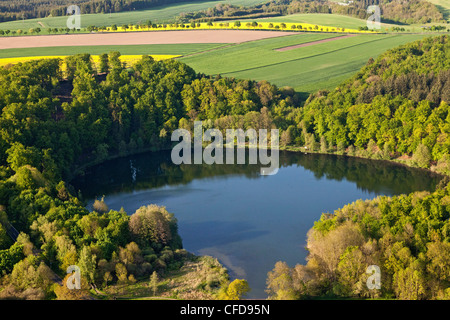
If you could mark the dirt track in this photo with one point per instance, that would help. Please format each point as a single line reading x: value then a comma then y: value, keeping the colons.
x: 141, y: 37
x: 314, y: 43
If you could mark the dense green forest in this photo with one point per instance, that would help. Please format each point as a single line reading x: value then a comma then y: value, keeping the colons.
x: 55, y: 121
x: 395, y: 11
x: 28, y: 9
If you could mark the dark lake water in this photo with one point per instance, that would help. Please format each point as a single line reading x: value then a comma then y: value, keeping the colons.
x: 248, y: 221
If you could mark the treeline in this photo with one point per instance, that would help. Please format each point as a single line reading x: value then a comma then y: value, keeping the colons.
x: 414, y: 11
x: 29, y: 9
x: 58, y: 115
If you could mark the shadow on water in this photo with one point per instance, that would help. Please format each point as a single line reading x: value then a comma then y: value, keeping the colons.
x: 155, y: 169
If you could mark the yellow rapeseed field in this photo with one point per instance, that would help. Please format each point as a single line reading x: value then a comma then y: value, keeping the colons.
x: 127, y: 59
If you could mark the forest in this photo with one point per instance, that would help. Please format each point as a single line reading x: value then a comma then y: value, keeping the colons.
x: 61, y: 115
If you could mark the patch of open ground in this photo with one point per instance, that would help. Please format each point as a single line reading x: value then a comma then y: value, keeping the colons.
x: 139, y: 38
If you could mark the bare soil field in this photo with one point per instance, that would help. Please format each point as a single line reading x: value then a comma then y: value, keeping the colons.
x: 136, y: 38
x: 314, y: 43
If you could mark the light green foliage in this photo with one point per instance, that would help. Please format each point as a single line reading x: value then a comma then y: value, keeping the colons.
x: 235, y: 290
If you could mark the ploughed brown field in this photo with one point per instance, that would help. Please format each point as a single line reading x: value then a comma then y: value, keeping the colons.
x: 141, y: 37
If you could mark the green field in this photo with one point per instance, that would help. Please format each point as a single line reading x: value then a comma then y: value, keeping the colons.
x: 307, y: 69
x: 166, y: 49
x: 157, y: 15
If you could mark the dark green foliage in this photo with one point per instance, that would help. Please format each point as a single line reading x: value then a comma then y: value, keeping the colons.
x: 9, y: 257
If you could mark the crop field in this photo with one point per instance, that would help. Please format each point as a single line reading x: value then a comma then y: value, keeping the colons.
x: 307, y: 69
x: 157, y: 15
x: 314, y: 62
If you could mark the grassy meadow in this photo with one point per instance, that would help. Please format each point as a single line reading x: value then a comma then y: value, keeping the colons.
x: 307, y: 69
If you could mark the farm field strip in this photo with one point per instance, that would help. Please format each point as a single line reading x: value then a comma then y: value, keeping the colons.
x: 135, y: 38
x: 151, y: 49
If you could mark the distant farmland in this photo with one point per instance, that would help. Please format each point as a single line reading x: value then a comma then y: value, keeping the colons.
x: 308, y: 68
